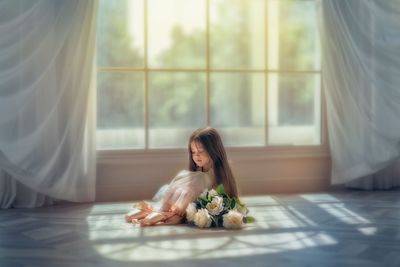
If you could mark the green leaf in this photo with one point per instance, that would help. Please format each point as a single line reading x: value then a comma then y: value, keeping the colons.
x: 237, y: 200
x: 203, y: 199
x: 201, y: 202
x: 227, y: 203
x: 220, y: 189
x: 215, y: 220
x: 249, y: 219
x: 233, y: 203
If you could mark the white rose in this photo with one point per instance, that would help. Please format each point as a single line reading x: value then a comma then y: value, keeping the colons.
x: 212, y: 193
x: 191, y: 212
x: 242, y: 209
x: 233, y: 219
x: 202, y: 218
x: 215, y: 206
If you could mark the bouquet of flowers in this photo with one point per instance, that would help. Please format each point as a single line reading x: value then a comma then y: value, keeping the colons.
x: 214, y: 208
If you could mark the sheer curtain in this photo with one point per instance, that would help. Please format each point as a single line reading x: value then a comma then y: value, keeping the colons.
x: 361, y: 72
x: 47, y: 149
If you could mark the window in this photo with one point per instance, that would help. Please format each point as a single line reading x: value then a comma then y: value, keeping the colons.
x: 250, y: 68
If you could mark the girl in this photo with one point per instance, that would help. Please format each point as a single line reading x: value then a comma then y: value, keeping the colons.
x: 208, y: 167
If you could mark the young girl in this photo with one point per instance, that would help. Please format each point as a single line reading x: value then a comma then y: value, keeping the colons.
x: 208, y: 167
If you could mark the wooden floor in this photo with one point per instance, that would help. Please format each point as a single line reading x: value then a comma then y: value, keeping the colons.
x: 349, y: 228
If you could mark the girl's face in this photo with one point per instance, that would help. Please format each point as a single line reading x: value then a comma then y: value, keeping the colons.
x: 200, y: 156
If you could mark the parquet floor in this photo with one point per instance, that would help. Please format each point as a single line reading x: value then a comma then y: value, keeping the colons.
x: 346, y: 228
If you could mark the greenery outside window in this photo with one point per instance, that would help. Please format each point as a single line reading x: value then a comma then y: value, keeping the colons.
x: 250, y: 68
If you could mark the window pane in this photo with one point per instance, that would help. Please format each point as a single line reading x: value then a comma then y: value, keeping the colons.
x: 293, y: 42
x: 120, y: 33
x: 237, y: 34
x: 120, y: 110
x: 237, y: 108
x: 176, y: 33
x: 177, y: 107
x: 262, y: 35
x: 294, y: 109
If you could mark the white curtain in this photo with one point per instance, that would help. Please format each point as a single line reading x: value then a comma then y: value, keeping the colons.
x: 361, y: 79
x: 47, y: 149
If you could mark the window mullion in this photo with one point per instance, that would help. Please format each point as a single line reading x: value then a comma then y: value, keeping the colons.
x: 266, y: 119
x: 146, y: 78
x: 208, y: 82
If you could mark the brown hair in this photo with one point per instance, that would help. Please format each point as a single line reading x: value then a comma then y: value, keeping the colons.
x: 212, y: 143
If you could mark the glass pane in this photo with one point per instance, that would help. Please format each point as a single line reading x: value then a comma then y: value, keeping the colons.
x: 237, y: 34
x: 120, y: 33
x: 294, y: 109
x: 177, y: 107
x: 176, y: 33
x: 293, y: 41
x: 238, y: 108
x: 120, y: 110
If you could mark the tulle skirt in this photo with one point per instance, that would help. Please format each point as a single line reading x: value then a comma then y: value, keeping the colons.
x: 170, y: 202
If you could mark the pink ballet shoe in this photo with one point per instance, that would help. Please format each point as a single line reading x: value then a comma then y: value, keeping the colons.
x: 136, y: 214
x: 152, y: 218
x: 156, y: 218
x: 175, y: 219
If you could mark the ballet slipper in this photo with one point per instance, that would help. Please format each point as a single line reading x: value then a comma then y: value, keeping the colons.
x: 155, y: 218
x: 152, y: 218
x: 136, y: 214
x: 174, y: 219
x: 142, y: 205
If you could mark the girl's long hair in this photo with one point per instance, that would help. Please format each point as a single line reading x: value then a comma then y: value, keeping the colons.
x: 212, y: 143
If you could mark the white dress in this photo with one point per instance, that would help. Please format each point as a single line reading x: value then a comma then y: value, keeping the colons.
x: 172, y: 199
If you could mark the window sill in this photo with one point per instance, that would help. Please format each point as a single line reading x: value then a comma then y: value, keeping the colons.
x: 234, y: 154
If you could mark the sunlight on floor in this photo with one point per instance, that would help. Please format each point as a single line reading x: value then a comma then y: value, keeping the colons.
x: 279, y: 227
x: 349, y: 228
x: 335, y: 207
x: 343, y: 214
x: 367, y: 230
x: 283, y: 224
x: 198, y: 245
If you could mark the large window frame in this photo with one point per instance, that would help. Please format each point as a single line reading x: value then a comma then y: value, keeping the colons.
x: 277, y: 150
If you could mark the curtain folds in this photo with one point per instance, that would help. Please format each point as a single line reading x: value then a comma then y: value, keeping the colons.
x: 361, y: 78
x: 47, y: 112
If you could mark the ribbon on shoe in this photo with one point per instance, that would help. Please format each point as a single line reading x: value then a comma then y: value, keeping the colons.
x: 140, y: 211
